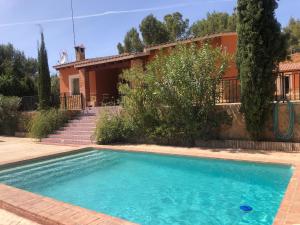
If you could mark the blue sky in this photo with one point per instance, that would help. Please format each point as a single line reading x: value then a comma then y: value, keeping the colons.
x: 100, y: 33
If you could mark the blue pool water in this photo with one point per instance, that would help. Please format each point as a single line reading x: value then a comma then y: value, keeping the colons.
x: 157, y: 189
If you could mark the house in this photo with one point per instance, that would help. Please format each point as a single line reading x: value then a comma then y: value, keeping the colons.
x: 92, y: 82
x: 288, y: 80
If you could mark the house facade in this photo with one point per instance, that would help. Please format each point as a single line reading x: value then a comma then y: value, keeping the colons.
x: 92, y: 82
x: 288, y: 79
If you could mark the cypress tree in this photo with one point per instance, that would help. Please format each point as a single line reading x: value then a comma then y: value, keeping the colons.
x: 261, y: 46
x: 44, y: 82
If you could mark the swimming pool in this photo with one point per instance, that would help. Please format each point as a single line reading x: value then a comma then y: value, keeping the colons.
x: 158, y: 189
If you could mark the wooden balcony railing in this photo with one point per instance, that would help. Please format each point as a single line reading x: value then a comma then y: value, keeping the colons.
x: 72, y: 102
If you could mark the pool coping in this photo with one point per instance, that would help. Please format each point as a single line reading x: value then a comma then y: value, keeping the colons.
x: 48, y: 211
x: 288, y: 212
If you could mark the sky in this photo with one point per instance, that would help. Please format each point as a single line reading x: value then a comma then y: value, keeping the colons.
x: 99, y: 24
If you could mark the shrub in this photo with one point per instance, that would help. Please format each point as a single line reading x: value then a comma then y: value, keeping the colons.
x: 9, y: 114
x: 113, y: 128
x: 173, y: 100
x: 46, y: 122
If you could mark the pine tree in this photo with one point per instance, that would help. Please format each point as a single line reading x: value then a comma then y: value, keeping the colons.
x: 44, y: 81
x: 261, y: 46
x: 154, y: 31
x: 132, y: 42
x: 176, y: 25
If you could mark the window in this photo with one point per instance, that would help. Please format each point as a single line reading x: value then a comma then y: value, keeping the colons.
x: 74, y: 86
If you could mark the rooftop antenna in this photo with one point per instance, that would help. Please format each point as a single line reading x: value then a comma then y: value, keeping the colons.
x: 74, y: 38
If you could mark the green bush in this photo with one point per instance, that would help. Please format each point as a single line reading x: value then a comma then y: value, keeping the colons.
x: 46, y: 122
x: 9, y: 114
x: 172, y: 101
x: 112, y: 129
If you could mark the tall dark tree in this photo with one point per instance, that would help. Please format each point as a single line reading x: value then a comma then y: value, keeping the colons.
x: 132, y: 42
x: 176, y: 25
x: 55, y: 91
x: 153, y: 31
x: 216, y: 22
x: 120, y: 48
x: 17, y: 72
x: 261, y: 46
x: 44, y: 82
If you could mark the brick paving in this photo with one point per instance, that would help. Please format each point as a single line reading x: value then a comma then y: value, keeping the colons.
x: 7, y: 218
x: 48, y: 211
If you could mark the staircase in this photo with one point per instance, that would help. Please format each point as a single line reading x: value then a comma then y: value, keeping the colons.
x: 78, y: 131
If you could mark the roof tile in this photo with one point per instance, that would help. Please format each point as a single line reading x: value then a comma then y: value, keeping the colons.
x: 289, y: 66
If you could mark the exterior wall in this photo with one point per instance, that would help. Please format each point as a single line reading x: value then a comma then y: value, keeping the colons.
x: 64, y: 78
x: 229, y: 43
x: 237, y: 131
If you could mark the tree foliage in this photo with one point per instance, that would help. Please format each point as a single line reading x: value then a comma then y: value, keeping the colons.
x: 176, y: 26
x: 132, y: 42
x: 261, y: 46
x: 9, y: 114
x: 153, y: 31
x: 46, y: 122
x: 293, y: 32
x: 173, y: 100
x: 55, y: 91
x: 216, y: 22
x: 17, y: 72
x: 44, y: 82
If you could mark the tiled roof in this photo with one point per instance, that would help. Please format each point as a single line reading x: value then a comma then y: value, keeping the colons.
x: 188, y: 40
x: 289, y: 66
x: 108, y: 59
x: 102, y: 60
x: 64, y: 65
x: 126, y: 56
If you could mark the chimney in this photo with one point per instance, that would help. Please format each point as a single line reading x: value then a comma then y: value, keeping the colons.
x: 80, y: 52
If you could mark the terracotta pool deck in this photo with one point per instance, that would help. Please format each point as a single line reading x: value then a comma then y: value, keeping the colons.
x: 14, y: 150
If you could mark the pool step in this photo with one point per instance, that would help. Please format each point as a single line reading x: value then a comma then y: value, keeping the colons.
x: 57, y: 170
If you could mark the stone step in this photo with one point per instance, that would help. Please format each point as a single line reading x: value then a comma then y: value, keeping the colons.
x: 83, y: 121
x: 74, y: 132
x: 71, y: 136
x: 77, y: 129
x: 66, y: 141
x: 91, y: 125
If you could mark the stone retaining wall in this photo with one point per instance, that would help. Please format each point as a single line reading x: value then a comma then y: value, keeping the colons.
x: 237, y: 131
